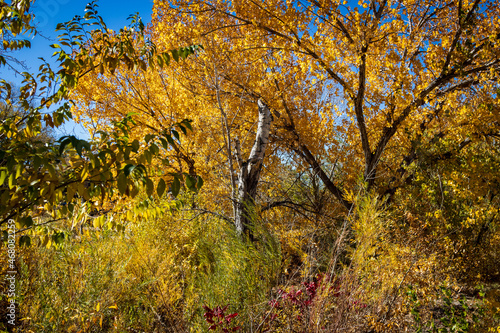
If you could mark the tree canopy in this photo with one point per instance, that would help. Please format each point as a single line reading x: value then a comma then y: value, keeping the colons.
x: 361, y: 92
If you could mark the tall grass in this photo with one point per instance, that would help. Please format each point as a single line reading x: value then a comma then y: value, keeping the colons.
x: 155, y: 276
x: 384, y: 275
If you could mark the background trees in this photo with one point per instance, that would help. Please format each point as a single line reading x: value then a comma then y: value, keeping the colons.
x: 361, y: 90
x: 40, y: 178
x: 396, y: 99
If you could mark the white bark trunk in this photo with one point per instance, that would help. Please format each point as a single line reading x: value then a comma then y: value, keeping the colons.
x: 249, y: 171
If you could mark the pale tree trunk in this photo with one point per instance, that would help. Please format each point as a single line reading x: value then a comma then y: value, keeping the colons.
x: 249, y: 172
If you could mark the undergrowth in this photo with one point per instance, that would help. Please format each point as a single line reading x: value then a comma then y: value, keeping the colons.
x: 186, y: 271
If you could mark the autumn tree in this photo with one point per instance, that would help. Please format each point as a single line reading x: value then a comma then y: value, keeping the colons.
x: 358, y: 89
x: 15, y: 21
x: 40, y: 179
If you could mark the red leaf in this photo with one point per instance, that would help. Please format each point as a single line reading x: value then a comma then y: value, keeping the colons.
x: 231, y: 316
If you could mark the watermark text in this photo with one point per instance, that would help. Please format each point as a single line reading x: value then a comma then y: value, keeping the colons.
x: 10, y: 276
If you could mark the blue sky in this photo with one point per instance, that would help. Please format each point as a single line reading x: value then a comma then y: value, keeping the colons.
x: 48, y: 13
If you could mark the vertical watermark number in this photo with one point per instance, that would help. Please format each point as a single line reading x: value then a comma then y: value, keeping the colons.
x: 10, y: 275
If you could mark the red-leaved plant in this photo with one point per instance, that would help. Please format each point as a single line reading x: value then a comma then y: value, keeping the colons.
x: 298, y: 304
x: 218, y: 320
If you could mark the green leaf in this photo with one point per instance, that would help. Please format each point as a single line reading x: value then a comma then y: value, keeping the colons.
x: 176, y: 135
x: 18, y: 171
x: 191, y: 182
x: 11, y: 180
x: 187, y: 123
x: 122, y: 183
x: 166, y: 58
x: 164, y: 143
x: 26, y: 222
x: 135, y: 146
x: 70, y: 192
x: 58, y: 237
x: 64, y: 141
x: 176, y: 186
x: 3, y: 176
x: 84, y: 144
x: 175, y: 55
x: 128, y: 169
x: 154, y: 149
x: 25, y: 240
x: 149, y: 187
x: 200, y: 183
x: 160, y: 189
x: 37, y: 161
x: 169, y: 139
x: 182, y: 129
x: 149, y: 157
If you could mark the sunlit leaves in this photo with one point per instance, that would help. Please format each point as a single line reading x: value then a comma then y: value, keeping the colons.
x: 122, y: 183
x: 3, y: 176
x: 15, y: 20
x: 75, y: 169
x: 40, y: 179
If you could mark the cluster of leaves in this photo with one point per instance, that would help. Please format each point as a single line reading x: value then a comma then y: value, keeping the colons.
x: 41, y: 180
x: 450, y: 315
x: 87, y: 44
x: 35, y: 177
x: 15, y: 20
x: 218, y: 320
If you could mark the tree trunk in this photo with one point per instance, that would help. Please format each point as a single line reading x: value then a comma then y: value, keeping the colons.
x: 249, y: 172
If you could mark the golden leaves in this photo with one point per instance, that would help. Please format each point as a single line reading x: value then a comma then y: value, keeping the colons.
x: 304, y: 62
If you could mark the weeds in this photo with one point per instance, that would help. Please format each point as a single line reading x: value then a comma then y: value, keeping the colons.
x: 156, y: 275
